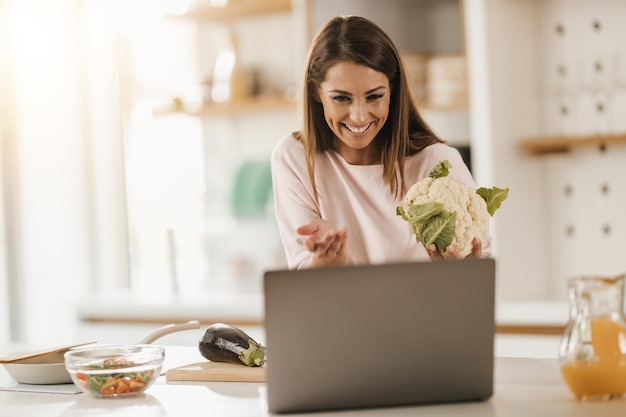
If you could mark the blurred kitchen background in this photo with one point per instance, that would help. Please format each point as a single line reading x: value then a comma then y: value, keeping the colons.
x: 136, y: 137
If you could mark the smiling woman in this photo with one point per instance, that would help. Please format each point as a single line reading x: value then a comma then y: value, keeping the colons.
x: 363, y: 142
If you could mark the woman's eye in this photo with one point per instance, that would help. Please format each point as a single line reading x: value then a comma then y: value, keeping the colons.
x: 374, y: 97
x: 341, y: 99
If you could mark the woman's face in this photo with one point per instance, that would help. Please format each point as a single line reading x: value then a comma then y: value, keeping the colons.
x: 355, y: 99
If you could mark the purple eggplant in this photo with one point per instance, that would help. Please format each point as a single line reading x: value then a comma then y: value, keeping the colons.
x: 225, y: 343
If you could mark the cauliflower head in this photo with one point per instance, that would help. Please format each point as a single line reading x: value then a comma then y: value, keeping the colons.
x: 447, y: 212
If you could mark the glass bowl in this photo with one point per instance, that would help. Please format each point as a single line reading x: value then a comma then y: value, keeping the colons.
x: 115, y: 371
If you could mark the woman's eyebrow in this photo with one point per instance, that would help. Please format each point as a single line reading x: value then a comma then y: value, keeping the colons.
x: 366, y: 93
x: 340, y: 92
x: 375, y: 89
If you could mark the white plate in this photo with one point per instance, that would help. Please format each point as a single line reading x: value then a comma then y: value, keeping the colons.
x: 40, y: 370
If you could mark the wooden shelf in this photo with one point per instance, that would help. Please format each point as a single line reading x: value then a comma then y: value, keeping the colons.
x: 444, y: 109
x: 237, y: 9
x: 563, y: 144
x: 233, y: 108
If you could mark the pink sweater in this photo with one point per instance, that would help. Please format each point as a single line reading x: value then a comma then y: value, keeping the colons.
x: 355, y: 197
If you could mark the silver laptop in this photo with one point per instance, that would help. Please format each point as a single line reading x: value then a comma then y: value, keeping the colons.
x: 379, y: 335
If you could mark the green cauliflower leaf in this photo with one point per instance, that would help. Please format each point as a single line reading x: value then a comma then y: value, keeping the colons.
x: 439, y: 230
x: 420, y: 213
x: 493, y: 197
x: 442, y: 169
x: 431, y: 224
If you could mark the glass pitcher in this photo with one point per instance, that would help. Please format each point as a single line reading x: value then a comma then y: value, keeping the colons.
x: 593, y: 347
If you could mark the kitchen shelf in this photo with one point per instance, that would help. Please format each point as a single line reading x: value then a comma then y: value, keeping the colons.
x: 563, y: 144
x: 232, y: 108
x: 237, y: 9
x: 424, y: 107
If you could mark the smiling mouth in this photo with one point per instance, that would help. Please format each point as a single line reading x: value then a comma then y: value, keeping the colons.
x: 358, y: 129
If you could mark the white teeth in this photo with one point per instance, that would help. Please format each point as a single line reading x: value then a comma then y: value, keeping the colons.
x: 357, y: 129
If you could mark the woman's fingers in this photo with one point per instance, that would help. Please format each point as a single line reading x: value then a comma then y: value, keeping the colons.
x: 452, y: 253
x: 434, y: 253
x: 326, y: 244
x: 307, y: 229
x: 331, y: 244
x: 335, y: 245
x: 477, y: 248
x: 325, y: 247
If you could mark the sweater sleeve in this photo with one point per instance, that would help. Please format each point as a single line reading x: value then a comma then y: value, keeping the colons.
x: 294, y: 201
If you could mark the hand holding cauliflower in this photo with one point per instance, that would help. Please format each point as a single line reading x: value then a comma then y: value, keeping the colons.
x: 446, y: 212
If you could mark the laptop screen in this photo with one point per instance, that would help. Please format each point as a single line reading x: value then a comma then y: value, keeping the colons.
x: 376, y: 335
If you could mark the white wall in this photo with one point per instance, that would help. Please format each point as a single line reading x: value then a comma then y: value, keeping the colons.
x: 545, y: 233
x: 502, y: 59
x: 53, y: 239
x: 584, y: 71
x: 67, y: 229
x: 4, y: 283
x: 5, y: 133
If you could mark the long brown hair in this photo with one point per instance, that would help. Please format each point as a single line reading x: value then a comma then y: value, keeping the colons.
x: 360, y: 41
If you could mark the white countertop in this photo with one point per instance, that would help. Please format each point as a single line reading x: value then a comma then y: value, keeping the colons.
x: 523, y: 387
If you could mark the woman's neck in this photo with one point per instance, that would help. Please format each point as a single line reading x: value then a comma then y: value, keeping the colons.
x: 366, y: 156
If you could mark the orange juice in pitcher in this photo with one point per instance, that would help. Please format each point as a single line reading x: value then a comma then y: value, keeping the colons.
x: 593, y: 347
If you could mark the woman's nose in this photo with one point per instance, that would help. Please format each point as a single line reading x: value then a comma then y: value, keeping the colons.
x: 358, y: 112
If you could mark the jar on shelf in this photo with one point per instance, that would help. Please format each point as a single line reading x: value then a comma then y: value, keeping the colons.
x: 593, y: 347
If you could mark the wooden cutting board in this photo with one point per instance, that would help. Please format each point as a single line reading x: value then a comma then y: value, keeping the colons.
x: 216, y: 371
